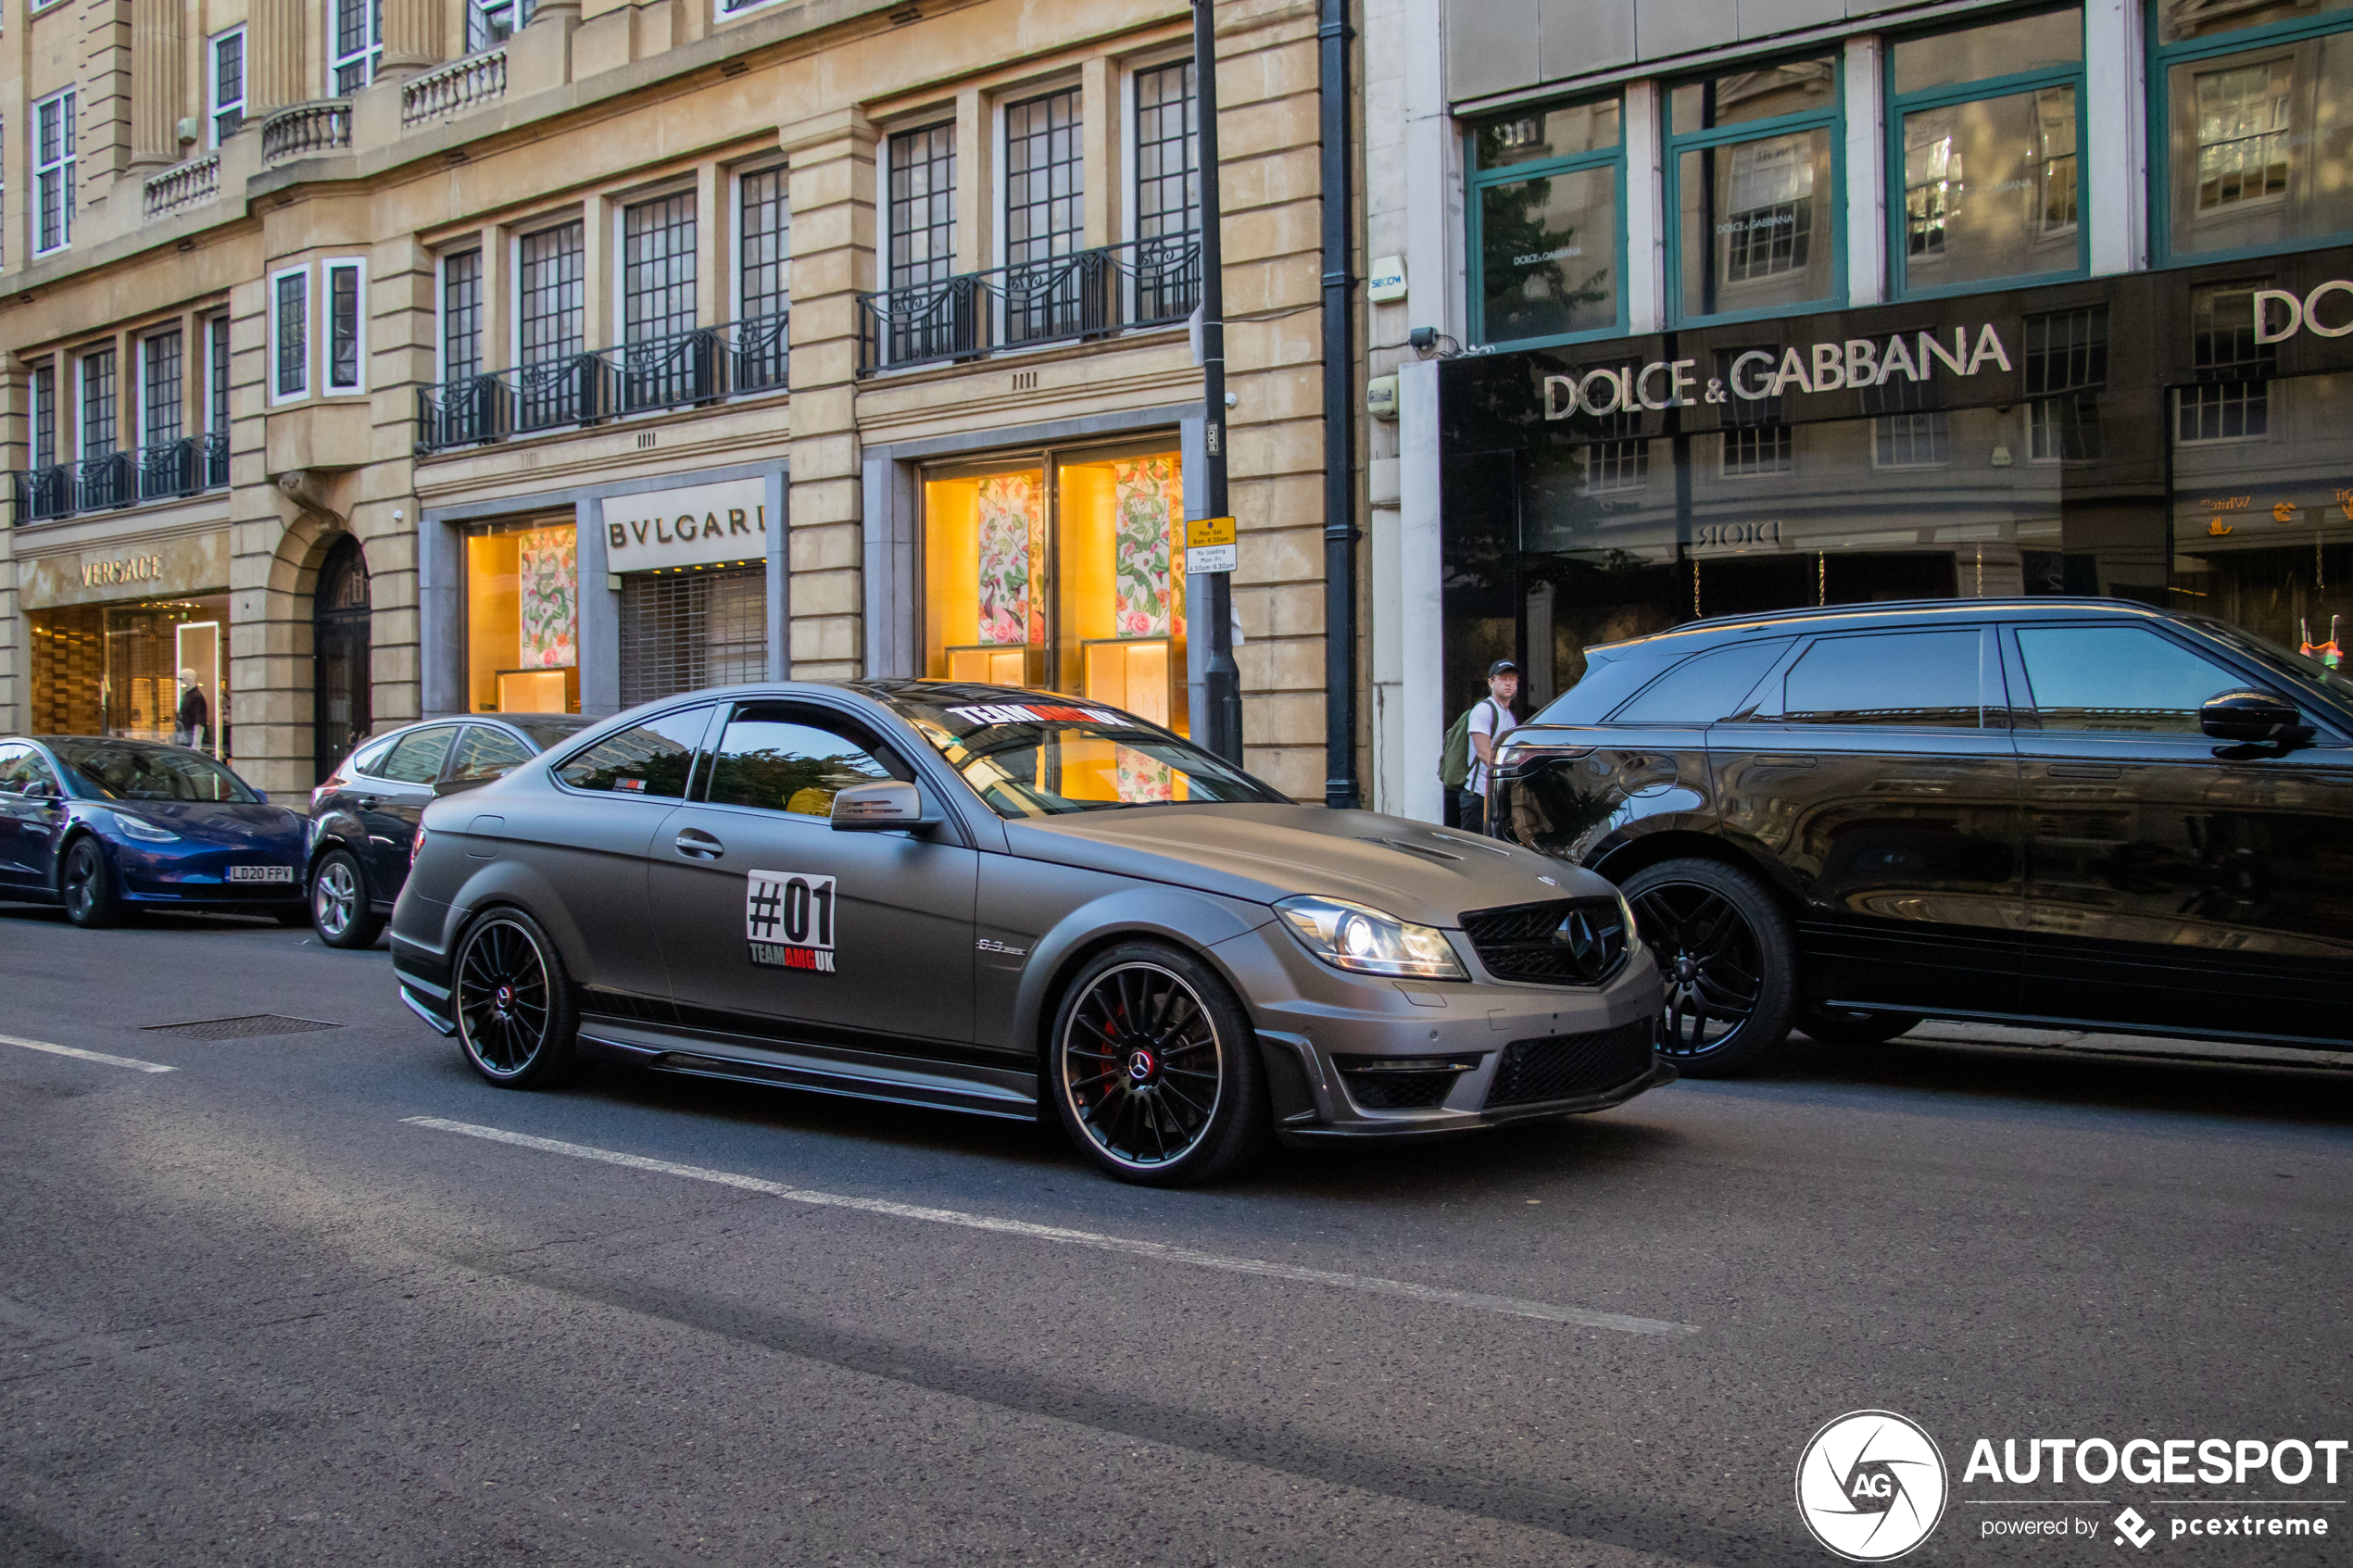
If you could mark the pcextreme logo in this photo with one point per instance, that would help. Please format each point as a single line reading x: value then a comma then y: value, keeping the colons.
x: 1871, y: 1485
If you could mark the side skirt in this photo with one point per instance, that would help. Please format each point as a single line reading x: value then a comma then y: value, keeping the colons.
x: 975, y: 1090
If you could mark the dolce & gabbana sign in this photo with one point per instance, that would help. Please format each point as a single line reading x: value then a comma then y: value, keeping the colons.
x: 1759, y: 373
x: 697, y: 525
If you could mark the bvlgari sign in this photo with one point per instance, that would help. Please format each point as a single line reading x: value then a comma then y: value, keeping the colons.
x: 1760, y: 373
x: 699, y: 525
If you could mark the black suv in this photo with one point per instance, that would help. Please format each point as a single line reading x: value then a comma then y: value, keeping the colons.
x: 2068, y: 811
x: 363, y: 818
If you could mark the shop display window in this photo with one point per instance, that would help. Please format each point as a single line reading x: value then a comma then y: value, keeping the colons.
x: 116, y: 669
x: 1062, y: 572
x: 522, y: 619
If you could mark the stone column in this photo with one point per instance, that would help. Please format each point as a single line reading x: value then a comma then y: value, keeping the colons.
x: 158, y: 83
x: 275, y: 58
x: 413, y: 37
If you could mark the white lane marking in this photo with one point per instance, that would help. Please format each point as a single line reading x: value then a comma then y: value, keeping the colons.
x: 1510, y: 1305
x: 132, y: 1062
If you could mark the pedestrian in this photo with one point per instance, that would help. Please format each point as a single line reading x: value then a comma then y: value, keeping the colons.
x: 194, y: 715
x: 1463, y: 763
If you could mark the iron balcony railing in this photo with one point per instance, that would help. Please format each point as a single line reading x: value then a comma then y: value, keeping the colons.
x: 1088, y: 293
x: 166, y: 470
x: 672, y: 371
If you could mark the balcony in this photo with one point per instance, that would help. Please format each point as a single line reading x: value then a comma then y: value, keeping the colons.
x: 303, y: 130
x: 454, y: 88
x: 194, y: 184
x: 168, y: 470
x: 683, y: 369
x: 1090, y: 294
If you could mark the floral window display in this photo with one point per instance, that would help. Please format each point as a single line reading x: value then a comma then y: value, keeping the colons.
x: 522, y: 619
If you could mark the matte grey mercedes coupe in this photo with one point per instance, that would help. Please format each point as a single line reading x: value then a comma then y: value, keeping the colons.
x: 1020, y: 905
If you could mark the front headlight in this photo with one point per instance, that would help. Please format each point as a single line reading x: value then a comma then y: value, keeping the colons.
x: 1353, y: 937
x: 144, y: 831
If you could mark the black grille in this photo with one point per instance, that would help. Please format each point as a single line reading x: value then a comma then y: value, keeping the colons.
x: 1560, y: 942
x: 1399, y: 1091
x: 1571, y: 1066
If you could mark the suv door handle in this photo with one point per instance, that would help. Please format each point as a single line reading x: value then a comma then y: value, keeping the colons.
x: 2084, y: 771
x: 698, y: 845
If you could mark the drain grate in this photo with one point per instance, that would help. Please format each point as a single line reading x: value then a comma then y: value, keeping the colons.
x: 251, y: 1026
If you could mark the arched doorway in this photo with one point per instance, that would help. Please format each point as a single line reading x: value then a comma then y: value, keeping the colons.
x: 339, y: 643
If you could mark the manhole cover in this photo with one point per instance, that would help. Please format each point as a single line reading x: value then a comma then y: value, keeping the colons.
x: 245, y: 1028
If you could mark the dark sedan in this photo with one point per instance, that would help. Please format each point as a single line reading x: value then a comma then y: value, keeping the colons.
x: 363, y: 817
x: 106, y: 826
x: 2082, y: 812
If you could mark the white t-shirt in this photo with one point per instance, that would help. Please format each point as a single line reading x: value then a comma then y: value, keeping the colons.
x: 1493, y: 719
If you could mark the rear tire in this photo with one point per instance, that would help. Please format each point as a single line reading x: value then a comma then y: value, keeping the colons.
x: 339, y: 908
x: 512, y: 1001
x: 1154, y: 1069
x: 88, y: 886
x: 1836, y: 1026
x: 1728, y: 958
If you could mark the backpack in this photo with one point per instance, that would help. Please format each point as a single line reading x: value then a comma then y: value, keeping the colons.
x: 1454, y: 756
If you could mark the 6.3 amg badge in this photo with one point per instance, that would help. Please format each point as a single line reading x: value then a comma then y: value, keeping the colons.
x: 788, y: 920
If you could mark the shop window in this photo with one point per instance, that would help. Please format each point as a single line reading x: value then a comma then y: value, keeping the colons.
x: 1752, y: 168
x: 1984, y: 156
x: 2232, y: 397
x: 355, y: 50
x: 1167, y: 192
x: 347, y: 287
x: 1064, y: 573
x: 52, y: 167
x: 290, y: 334
x: 461, y: 315
x: 683, y: 631
x: 225, y: 84
x: 2256, y: 105
x: 2065, y: 365
x: 522, y: 619
x: 114, y: 668
x: 1547, y: 189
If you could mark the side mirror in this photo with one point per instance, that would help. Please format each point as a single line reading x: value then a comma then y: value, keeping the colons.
x: 2252, y: 718
x: 888, y: 806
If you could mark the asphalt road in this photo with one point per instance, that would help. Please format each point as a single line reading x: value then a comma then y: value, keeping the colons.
x: 253, y: 1311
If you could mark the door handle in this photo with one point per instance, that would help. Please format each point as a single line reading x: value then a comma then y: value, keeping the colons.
x: 1780, y: 759
x: 698, y: 845
x: 367, y: 803
x: 2084, y: 771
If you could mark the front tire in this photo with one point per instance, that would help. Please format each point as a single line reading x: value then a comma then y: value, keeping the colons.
x: 1154, y: 1069
x: 88, y: 885
x: 1725, y: 951
x: 340, y: 908
x: 513, y: 1003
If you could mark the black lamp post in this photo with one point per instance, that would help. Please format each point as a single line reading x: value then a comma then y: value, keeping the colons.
x: 1222, y: 685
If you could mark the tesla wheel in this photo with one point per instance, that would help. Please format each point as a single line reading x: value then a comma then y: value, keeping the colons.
x: 339, y: 911
x: 513, y: 1003
x: 1154, y: 1068
x: 1836, y: 1026
x: 88, y: 887
x: 1725, y: 949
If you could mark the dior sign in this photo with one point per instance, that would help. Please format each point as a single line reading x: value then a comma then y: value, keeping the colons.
x: 2280, y: 314
x: 1759, y: 374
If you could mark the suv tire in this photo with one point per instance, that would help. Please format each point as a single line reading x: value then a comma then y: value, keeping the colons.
x: 1727, y: 957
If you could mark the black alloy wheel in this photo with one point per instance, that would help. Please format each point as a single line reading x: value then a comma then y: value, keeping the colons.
x: 1726, y: 956
x: 513, y: 1003
x: 1154, y: 1069
x: 1837, y: 1026
x: 339, y: 901
x: 88, y: 887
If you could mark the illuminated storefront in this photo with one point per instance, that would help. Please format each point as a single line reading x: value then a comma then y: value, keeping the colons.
x: 522, y: 618
x: 112, y: 631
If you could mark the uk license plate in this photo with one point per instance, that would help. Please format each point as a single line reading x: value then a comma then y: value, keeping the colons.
x: 261, y: 874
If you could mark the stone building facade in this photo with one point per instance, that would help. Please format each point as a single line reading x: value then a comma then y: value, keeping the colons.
x: 378, y: 361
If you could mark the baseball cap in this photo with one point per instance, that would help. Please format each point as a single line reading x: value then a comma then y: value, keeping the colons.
x: 1502, y: 667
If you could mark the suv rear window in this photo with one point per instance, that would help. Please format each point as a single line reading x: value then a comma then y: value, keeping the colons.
x: 1898, y: 678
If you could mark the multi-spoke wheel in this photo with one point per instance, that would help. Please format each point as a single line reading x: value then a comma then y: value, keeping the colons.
x: 512, y: 1002
x: 1154, y: 1070
x: 339, y: 910
x: 88, y: 886
x: 1725, y: 950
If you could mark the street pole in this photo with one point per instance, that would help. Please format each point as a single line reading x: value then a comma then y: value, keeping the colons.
x: 1221, y: 682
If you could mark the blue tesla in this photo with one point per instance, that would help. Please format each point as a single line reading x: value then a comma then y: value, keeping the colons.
x: 106, y: 826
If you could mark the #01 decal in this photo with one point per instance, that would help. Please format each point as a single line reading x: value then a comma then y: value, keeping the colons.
x: 788, y: 921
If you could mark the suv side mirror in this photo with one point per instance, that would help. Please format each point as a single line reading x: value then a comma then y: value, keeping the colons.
x: 890, y: 806
x: 2252, y: 718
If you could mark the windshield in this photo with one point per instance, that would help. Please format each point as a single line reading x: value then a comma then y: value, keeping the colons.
x: 2304, y: 666
x: 1029, y: 756
x: 129, y: 771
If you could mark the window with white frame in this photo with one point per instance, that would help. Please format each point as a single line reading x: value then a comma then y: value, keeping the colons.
x: 1756, y: 441
x: 53, y: 134
x: 290, y: 334
x: 355, y: 44
x: 491, y: 22
x: 100, y: 410
x: 226, y: 83
x: 2232, y: 399
x: 161, y: 378
x: 216, y: 338
x: 2065, y: 369
x: 345, y: 300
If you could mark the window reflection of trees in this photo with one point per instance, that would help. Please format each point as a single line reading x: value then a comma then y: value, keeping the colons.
x: 782, y: 778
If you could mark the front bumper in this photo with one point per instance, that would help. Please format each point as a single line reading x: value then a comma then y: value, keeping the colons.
x: 1342, y: 1049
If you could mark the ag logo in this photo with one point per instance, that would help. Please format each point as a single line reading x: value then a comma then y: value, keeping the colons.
x: 1871, y: 1485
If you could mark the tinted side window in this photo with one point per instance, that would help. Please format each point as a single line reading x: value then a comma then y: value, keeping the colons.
x: 417, y: 759
x: 1908, y: 678
x: 1701, y: 690
x: 485, y: 753
x: 2122, y: 678
x: 369, y: 759
x: 653, y: 759
x: 1604, y: 684
x: 20, y: 768
x: 794, y: 759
